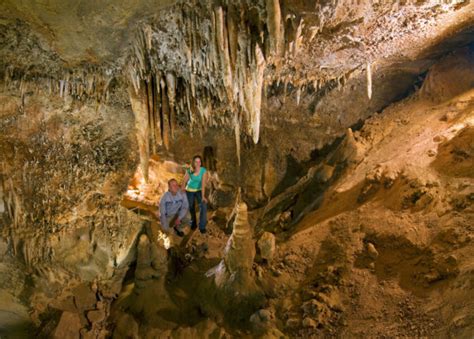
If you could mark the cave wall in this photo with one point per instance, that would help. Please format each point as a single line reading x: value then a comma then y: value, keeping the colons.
x: 64, y: 166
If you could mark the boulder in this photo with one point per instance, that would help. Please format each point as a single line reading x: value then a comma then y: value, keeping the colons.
x: 69, y: 326
x: 84, y: 297
x: 372, y: 251
x: 267, y: 246
x: 126, y: 327
x: 308, y: 322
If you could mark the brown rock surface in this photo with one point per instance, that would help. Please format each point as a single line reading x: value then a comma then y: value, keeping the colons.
x: 69, y: 326
x: 266, y: 245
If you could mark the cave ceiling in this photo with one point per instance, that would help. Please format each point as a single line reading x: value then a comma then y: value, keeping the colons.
x: 219, y: 62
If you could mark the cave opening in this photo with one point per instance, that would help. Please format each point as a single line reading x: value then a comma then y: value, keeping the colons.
x: 337, y: 177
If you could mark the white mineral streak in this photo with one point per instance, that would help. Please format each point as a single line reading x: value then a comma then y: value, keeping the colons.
x: 369, y: 80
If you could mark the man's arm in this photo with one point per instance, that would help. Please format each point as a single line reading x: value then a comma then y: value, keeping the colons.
x: 163, y: 219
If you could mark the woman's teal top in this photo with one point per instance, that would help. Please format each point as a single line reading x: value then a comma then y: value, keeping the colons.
x: 195, y: 181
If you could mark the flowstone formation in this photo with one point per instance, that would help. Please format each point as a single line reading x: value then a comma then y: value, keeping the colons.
x: 338, y: 142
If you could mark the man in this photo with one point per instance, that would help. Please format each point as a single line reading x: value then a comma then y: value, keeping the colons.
x: 174, y: 209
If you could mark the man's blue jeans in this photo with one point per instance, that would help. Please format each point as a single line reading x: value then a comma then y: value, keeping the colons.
x: 192, y: 196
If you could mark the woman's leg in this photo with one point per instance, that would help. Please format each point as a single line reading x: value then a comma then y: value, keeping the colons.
x: 202, y: 212
x: 192, y: 209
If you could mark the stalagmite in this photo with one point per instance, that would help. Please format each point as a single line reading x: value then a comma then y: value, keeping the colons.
x: 234, y: 275
x: 369, y: 80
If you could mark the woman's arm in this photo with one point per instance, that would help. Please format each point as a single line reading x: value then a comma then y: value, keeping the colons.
x: 203, y: 186
x: 185, y: 181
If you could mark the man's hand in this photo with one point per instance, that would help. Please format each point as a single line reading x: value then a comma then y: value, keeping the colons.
x: 204, y: 200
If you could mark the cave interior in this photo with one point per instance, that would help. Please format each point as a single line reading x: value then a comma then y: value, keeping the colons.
x: 338, y: 138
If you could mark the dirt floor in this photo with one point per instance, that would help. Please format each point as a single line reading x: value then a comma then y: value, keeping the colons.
x: 389, y: 252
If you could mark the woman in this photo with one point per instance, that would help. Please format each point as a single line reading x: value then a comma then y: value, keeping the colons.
x: 194, y: 182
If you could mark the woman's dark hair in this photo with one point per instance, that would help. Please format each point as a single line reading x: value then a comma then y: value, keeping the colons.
x: 194, y: 158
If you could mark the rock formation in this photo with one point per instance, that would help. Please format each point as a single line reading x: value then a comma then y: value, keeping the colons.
x: 233, y: 279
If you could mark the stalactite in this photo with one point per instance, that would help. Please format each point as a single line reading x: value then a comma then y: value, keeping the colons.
x: 140, y: 109
x: 165, y: 126
x: 237, y: 136
x: 257, y: 81
x: 147, y: 31
x: 61, y: 88
x: 157, y: 109
x: 223, y: 44
x: 151, y: 118
x: 369, y: 80
x: 275, y: 27
x: 220, y: 65
x: 171, y: 87
x: 232, y: 36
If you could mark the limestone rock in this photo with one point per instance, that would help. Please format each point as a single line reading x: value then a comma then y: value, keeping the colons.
x: 127, y: 327
x: 204, y: 329
x: 293, y: 322
x: 13, y: 314
x: 96, y: 316
x: 84, y: 297
x: 325, y: 173
x: 69, y: 326
x: 261, y: 318
x: 151, y: 260
x: 308, y: 322
x: 372, y: 251
x: 266, y: 245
